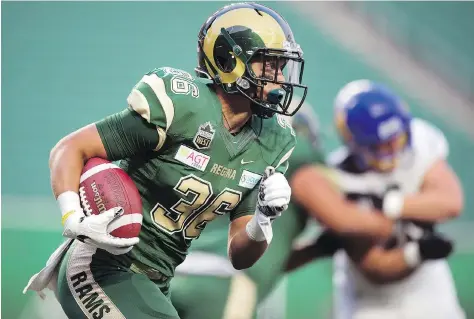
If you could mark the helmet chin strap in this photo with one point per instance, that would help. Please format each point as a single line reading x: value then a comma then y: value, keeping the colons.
x: 260, y: 111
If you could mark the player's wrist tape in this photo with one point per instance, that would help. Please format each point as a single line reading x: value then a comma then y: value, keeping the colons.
x: 259, y: 228
x: 393, y: 204
x: 411, y: 254
x: 69, y: 203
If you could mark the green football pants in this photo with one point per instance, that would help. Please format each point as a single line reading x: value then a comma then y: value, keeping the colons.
x: 95, y: 284
x: 211, y: 297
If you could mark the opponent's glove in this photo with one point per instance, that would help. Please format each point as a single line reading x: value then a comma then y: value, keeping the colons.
x: 430, y: 245
x: 273, y: 198
x: 328, y: 243
x: 435, y: 246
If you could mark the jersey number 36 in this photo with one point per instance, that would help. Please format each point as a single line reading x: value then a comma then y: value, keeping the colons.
x: 191, y: 216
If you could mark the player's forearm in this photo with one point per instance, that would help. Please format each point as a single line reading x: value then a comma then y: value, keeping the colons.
x: 355, y: 222
x: 66, y: 163
x: 348, y: 219
x: 244, y: 251
x: 440, y: 197
x: 67, y: 158
x: 321, y: 200
x: 433, y: 206
x: 385, y: 266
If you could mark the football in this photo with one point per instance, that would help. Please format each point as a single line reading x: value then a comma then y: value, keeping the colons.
x: 104, y: 185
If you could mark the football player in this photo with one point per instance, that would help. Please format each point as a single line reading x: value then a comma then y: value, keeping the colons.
x: 196, y: 148
x: 206, y: 286
x: 394, y: 164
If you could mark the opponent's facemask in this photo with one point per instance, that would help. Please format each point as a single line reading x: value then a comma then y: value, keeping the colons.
x: 249, y: 49
x: 385, y: 156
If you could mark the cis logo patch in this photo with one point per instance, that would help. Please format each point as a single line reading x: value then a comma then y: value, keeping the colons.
x: 249, y: 179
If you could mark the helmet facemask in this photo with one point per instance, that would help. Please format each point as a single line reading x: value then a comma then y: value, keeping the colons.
x: 386, y: 156
x: 283, y: 70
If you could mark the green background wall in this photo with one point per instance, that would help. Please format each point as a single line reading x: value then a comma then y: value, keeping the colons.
x: 66, y: 64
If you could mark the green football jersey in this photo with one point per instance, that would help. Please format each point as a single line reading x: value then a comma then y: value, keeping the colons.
x: 198, y: 171
x: 270, y: 267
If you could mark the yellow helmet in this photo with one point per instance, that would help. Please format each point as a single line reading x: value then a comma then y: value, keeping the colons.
x: 239, y: 34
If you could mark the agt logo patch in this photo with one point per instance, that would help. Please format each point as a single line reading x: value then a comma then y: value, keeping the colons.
x: 249, y: 179
x: 204, y: 136
x: 192, y: 158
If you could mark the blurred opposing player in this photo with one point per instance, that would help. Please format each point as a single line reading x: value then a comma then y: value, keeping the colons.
x: 207, y: 287
x: 397, y: 165
x: 197, y: 148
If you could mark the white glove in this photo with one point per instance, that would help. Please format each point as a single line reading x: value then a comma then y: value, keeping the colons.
x: 274, y: 196
x: 92, y: 230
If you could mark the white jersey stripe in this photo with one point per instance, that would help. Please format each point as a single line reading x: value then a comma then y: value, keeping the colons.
x: 139, y: 104
x: 158, y: 86
x: 285, y: 157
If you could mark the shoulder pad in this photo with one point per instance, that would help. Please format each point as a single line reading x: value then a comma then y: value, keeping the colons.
x: 164, y: 95
x: 428, y: 140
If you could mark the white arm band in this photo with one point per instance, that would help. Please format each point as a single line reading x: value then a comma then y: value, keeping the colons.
x: 393, y: 204
x: 259, y: 228
x: 411, y: 254
x: 69, y: 202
